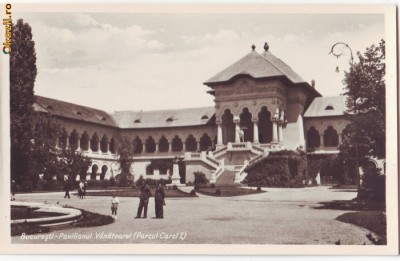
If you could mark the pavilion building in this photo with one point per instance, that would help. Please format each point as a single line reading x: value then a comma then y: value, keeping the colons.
x: 261, y: 105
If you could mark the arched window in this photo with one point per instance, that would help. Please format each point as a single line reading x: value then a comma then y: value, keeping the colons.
x: 264, y: 126
x: 62, y: 140
x: 150, y: 145
x: 313, y: 140
x: 103, y: 144
x: 73, y: 140
x: 85, y: 141
x: 177, y: 144
x: 331, y: 138
x: 104, y: 170
x: 163, y: 145
x: 191, y: 143
x: 94, y: 143
x: 205, y: 142
x: 95, y: 168
x: 228, y: 127
x: 112, y: 146
x: 329, y: 108
x: 246, y: 125
x: 137, y: 145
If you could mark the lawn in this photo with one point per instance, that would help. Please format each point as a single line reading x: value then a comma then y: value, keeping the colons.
x: 169, y: 193
x: 227, y: 191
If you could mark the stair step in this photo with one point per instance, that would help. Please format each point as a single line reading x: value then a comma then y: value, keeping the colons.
x: 227, y: 178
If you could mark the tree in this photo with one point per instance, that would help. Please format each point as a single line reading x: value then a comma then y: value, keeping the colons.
x: 365, y: 136
x: 125, y: 159
x: 365, y: 91
x: 22, y: 79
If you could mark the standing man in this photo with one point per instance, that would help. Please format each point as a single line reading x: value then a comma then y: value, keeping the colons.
x: 145, y: 194
x: 67, y: 188
x: 159, y: 201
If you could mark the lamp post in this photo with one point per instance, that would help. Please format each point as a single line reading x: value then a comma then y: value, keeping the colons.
x: 351, y: 62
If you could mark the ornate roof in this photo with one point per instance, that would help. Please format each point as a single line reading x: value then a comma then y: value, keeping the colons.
x: 73, y: 111
x: 326, y: 106
x: 257, y: 66
x: 164, y: 118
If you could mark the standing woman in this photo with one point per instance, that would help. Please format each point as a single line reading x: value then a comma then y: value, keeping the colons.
x: 159, y: 200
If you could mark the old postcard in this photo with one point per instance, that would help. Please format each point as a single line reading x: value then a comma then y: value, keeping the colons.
x: 199, y: 129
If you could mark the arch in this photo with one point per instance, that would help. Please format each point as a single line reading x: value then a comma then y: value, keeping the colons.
x: 112, y: 146
x: 85, y: 141
x: 93, y: 173
x: 329, y: 108
x: 228, y: 127
x: 104, y: 143
x: 73, y: 140
x: 103, y: 173
x: 149, y: 169
x: 94, y: 142
x: 150, y: 145
x: 62, y: 140
x: 191, y: 143
x: 163, y: 145
x: 313, y: 139
x: 331, y: 138
x: 205, y: 142
x: 246, y: 125
x: 177, y: 144
x: 264, y: 125
x: 137, y: 145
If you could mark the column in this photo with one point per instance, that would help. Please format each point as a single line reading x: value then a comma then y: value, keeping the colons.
x: 255, y: 131
x: 98, y: 146
x: 144, y: 148
x: 236, y: 120
x: 108, y: 147
x: 169, y: 146
x: 280, y: 132
x: 340, y: 138
x: 89, y: 145
x: 321, y: 145
x: 78, y: 147
x: 198, y: 146
x: 274, y: 131
x: 157, y: 148
x: 219, y: 133
x: 57, y: 140
x: 275, y: 126
x: 67, y: 142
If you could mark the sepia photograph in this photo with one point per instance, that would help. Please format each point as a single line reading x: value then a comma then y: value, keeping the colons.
x: 199, y: 128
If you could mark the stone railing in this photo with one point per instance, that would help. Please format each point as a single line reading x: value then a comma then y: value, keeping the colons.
x: 202, y: 157
x: 241, y: 175
x: 219, y: 152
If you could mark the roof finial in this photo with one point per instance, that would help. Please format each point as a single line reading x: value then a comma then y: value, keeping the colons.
x: 266, y: 46
x: 253, y: 47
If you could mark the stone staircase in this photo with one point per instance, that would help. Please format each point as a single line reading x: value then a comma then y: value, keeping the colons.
x: 226, y: 179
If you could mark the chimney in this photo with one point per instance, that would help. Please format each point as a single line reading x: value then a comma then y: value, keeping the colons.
x: 313, y: 83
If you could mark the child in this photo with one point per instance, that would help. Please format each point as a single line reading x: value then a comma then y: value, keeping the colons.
x: 114, y: 206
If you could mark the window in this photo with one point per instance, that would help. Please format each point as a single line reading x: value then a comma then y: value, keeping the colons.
x: 49, y: 107
x: 170, y: 119
x: 137, y: 121
x: 104, y: 119
x: 329, y: 108
x: 78, y: 113
x: 205, y: 117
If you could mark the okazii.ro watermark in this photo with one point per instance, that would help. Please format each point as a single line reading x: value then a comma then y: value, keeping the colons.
x: 8, y: 26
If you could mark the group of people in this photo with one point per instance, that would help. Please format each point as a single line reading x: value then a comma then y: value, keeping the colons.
x: 145, y: 194
x: 81, y: 190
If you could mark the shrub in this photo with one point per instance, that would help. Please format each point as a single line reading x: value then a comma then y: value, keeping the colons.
x: 212, y: 185
x: 174, y: 187
x: 189, y: 183
x: 112, y: 182
x: 279, y: 169
x: 193, y: 193
x: 196, y: 187
x: 218, y: 192
x: 258, y: 188
x: 373, y: 185
x: 200, y: 178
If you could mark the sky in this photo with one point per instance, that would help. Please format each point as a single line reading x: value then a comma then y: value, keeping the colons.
x: 142, y: 61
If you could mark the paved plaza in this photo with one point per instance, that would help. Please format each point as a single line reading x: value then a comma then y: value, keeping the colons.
x: 279, y: 216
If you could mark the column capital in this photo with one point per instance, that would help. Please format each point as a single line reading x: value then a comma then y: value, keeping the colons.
x: 218, y: 121
x: 236, y: 119
x: 254, y: 120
